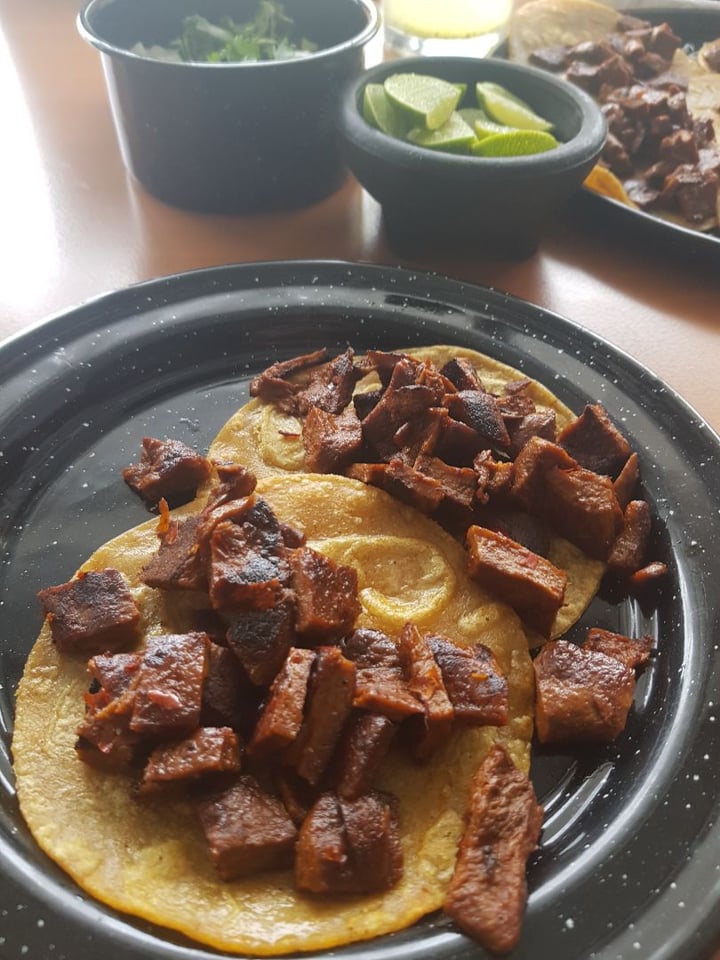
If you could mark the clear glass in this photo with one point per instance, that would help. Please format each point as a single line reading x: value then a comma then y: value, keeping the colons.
x: 445, y: 27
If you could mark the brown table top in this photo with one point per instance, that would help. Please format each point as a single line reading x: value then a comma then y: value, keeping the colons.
x: 75, y: 225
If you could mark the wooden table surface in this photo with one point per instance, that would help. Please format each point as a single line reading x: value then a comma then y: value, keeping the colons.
x: 74, y: 225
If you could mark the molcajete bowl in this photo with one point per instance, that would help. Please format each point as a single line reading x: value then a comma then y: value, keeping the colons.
x: 435, y: 200
x: 241, y: 137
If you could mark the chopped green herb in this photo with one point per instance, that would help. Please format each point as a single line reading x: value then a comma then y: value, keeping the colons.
x: 268, y: 36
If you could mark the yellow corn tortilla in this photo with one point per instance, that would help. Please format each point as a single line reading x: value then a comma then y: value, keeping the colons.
x: 269, y: 442
x: 551, y: 23
x: 148, y: 857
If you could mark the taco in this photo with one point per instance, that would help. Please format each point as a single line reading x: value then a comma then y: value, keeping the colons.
x: 662, y: 103
x: 269, y: 434
x: 143, y: 853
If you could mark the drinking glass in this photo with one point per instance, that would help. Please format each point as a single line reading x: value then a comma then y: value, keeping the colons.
x: 445, y: 27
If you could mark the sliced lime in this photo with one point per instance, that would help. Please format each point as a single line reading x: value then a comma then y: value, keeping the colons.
x: 504, y: 107
x: 514, y: 143
x: 454, y: 136
x: 425, y: 101
x: 379, y: 112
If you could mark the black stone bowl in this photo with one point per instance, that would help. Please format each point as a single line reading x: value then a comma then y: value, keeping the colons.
x: 434, y: 200
x: 230, y: 137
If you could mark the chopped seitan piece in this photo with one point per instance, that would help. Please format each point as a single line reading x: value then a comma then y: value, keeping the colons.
x: 474, y: 682
x: 583, y: 695
x: 633, y: 653
x: 169, y: 470
x: 248, y: 830
x: 527, y: 582
x: 93, y: 613
x: 595, y: 442
x: 349, y: 846
x: 168, y: 693
x: 381, y: 685
x: 210, y: 750
x: 282, y: 715
x: 425, y: 680
x: 365, y: 742
x: 326, y: 593
x: 488, y: 891
x: 261, y: 639
x: 330, y: 698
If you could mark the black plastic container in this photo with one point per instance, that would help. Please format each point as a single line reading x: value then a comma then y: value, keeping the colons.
x: 230, y: 137
x: 434, y: 200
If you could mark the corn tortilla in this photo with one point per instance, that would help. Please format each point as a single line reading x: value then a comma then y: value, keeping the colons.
x: 148, y: 857
x: 269, y: 442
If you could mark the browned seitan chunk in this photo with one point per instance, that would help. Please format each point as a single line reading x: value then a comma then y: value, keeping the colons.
x: 630, y: 547
x: 261, y: 639
x: 529, y: 583
x: 474, y: 682
x: 178, y: 563
x: 248, y: 830
x: 380, y: 683
x: 633, y: 653
x: 331, y: 441
x: 94, y: 613
x: 169, y: 470
x: 425, y: 680
x: 330, y: 699
x: 326, y: 594
x: 168, y: 693
x: 364, y: 744
x: 582, y: 695
x: 488, y: 891
x: 349, y: 846
x: 209, y: 750
x: 595, y: 442
x: 274, y: 384
x: 282, y: 715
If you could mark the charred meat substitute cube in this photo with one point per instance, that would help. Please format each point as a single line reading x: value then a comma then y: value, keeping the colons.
x: 626, y: 482
x: 105, y: 740
x: 595, y: 442
x: 582, y: 695
x: 327, y: 602
x: 169, y: 688
x: 322, y: 854
x: 331, y: 441
x: 229, y: 699
x: 462, y: 374
x: 538, y: 424
x: 168, y: 469
x: 330, y: 698
x: 425, y: 680
x: 261, y: 639
x: 349, y: 846
x: 474, y: 682
x: 630, y: 547
x: 581, y: 505
x: 488, y: 891
x: 282, y: 715
x: 364, y: 744
x: 114, y: 672
x: 480, y: 411
x: 178, y: 563
x: 247, y: 565
x: 381, y: 685
x: 633, y: 653
x: 458, y: 484
x: 527, y: 582
x: 210, y: 750
x: 94, y: 613
x: 247, y: 830
x: 330, y: 386
x: 531, y: 467
x: 275, y: 386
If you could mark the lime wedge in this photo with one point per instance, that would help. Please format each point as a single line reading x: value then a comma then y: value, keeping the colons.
x: 379, y: 112
x: 503, y: 107
x: 514, y: 143
x: 454, y: 136
x: 481, y: 122
x: 425, y: 101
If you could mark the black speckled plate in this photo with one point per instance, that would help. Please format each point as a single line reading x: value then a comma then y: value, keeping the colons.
x: 630, y: 860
